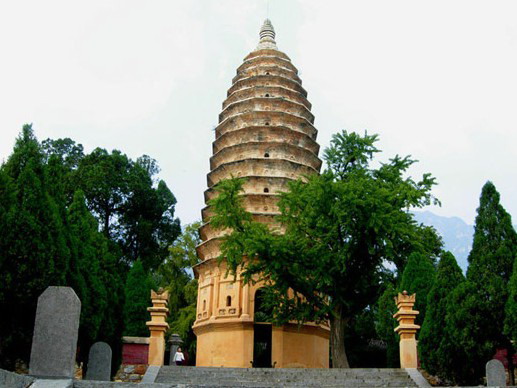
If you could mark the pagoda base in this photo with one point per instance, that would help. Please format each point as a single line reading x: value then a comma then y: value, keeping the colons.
x: 230, y: 344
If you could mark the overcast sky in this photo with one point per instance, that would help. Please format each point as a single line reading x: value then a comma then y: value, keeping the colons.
x: 435, y: 79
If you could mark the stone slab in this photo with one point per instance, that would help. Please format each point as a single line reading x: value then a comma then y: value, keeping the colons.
x: 49, y: 383
x: 54, y: 342
x: 151, y: 374
x: 495, y: 374
x: 417, y: 377
x: 14, y: 380
x: 99, y: 362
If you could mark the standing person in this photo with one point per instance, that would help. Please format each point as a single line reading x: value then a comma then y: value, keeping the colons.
x: 179, y: 357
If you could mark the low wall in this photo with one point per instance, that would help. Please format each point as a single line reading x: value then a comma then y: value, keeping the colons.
x: 135, y: 350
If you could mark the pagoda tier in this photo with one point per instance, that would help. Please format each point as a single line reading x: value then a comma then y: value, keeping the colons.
x: 265, y: 134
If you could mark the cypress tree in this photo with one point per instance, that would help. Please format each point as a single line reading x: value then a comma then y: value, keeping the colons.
x: 138, y: 286
x: 471, y: 334
x: 87, y: 280
x: 476, y: 310
x: 36, y: 253
x: 495, y: 241
x: 491, y: 259
x: 418, y: 277
x: 433, y: 339
x: 113, y: 274
x: 510, y: 323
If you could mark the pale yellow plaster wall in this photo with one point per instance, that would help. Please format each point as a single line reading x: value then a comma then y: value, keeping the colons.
x: 229, y: 345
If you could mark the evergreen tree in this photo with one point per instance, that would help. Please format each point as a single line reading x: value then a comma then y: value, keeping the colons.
x: 114, y: 276
x: 511, y: 306
x: 87, y: 279
x: 385, y: 325
x: 433, y: 341
x: 36, y: 254
x: 418, y: 277
x: 495, y: 241
x: 471, y: 336
x: 476, y: 310
x: 138, y: 287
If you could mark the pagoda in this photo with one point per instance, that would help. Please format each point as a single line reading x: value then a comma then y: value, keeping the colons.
x: 266, y: 135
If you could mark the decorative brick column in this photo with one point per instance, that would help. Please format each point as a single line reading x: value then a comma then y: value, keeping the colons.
x: 407, y: 329
x: 158, y: 326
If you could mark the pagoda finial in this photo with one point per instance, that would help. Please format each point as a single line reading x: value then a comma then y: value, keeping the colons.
x: 267, y: 36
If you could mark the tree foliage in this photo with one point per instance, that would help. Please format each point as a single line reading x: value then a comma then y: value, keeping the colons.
x: 134, y: 212
x: 35, y: 252
x: 385, y: 325
x: 434, y: 341
x: 418, y: 277
x: 510, y: 327
x: 340, y: 227
x: 175, y: 275
x: 137, y: 291
x: 490, y: 267
x: 51, y: 216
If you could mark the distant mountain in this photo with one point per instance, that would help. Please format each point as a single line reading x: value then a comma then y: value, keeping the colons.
x: 457, y: 234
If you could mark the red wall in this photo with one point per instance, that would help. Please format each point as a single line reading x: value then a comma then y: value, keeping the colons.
x: 135, y: 353
x: 502, y: 355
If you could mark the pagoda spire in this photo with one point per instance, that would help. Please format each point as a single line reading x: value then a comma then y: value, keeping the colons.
x: 267, y: 37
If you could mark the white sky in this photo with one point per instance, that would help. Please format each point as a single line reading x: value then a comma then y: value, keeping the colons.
x: 435, y: 79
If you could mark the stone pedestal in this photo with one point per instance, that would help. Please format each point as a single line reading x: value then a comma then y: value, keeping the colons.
x: 407, y: 329
x: 158, y: 326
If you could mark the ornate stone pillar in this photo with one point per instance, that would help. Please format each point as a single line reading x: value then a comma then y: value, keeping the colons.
x: 407, y: 329
x: 158, y: 326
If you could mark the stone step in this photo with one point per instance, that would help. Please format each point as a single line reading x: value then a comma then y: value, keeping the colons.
x: 288, y: 377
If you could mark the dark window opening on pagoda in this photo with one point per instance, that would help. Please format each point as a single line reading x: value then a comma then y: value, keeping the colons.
x: 267, y: 95
x: 267, y: 123
x: 204, y: 305
x: 228, y: 301
x: 266, y: 190
x: 267, y: 72
x: 266, y: 155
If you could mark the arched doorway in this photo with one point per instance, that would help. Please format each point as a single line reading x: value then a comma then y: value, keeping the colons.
x: 262, y: 333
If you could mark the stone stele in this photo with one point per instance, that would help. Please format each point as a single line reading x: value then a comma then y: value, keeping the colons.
x: 54, y: 342
x: 99, y: 362
x: 495, y: 374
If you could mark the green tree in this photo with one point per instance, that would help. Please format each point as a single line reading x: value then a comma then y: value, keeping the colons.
x: 434, y: 343
x: 510, y: 322
x: 175, y: 275
x: 418, y: 277
x: 86, y: 276
x: 471, y: 334
x: 112, y: 325
x: 351, y: 218
x: 36, y: 254
x: 138, y: 299
x: 476, y: 310
x: 7, y: 214
x: 385, y: 325
x: 134, y: 213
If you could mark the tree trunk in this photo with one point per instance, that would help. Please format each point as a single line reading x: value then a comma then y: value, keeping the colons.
x: 337, y: 338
